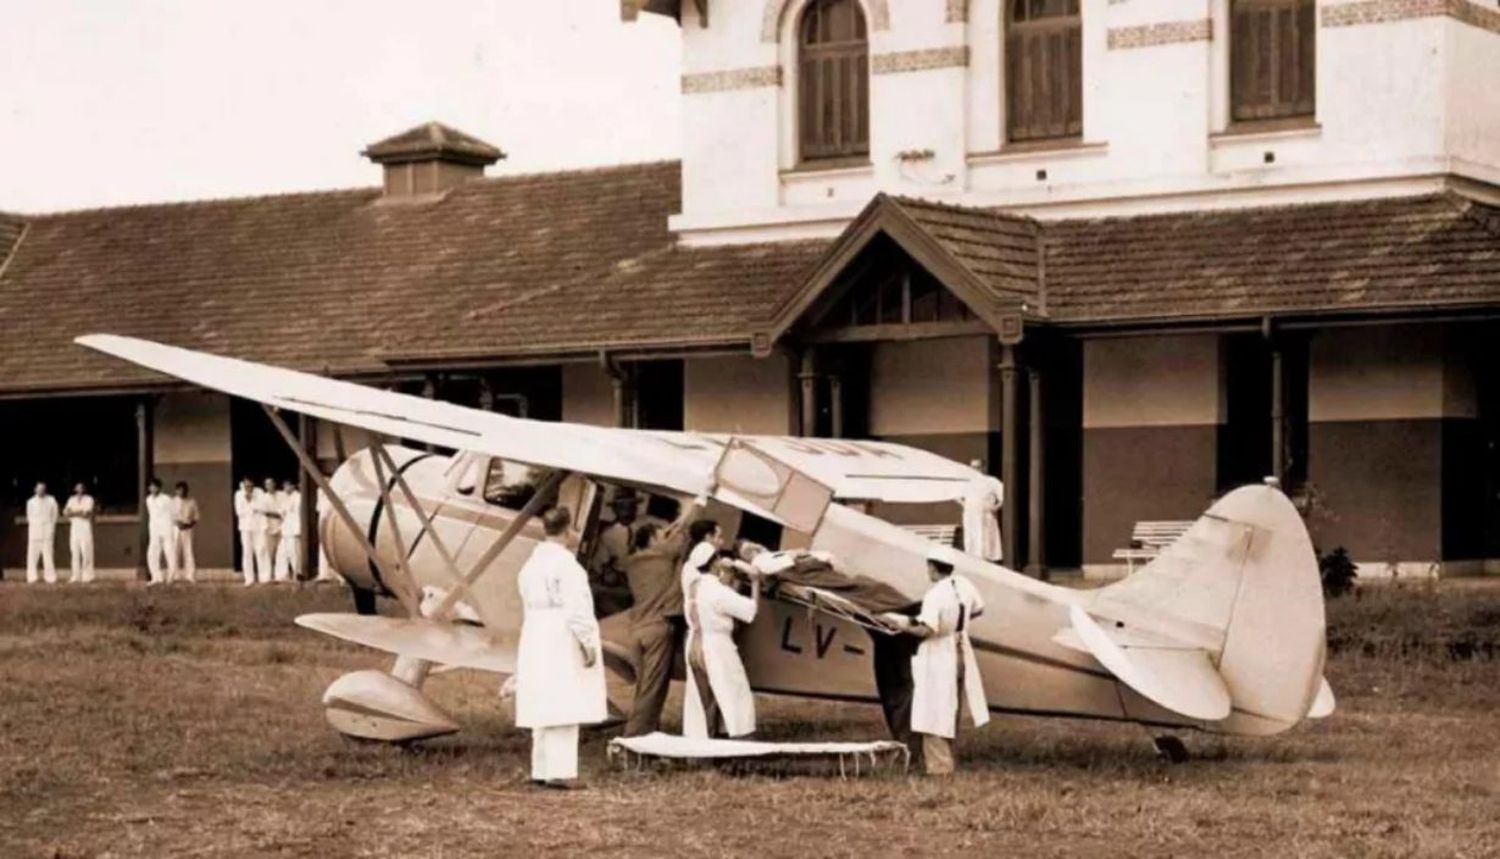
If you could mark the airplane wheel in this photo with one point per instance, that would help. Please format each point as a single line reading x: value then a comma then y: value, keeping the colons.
x: 1172, y: 748
x: 364, y: 601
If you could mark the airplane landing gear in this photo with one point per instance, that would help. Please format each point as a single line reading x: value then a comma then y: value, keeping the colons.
x: 1170, y: 747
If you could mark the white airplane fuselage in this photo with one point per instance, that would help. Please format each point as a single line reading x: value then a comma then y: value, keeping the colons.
x: 787, y: 649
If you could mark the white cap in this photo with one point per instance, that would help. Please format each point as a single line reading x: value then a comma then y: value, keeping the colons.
x: 700, y: 556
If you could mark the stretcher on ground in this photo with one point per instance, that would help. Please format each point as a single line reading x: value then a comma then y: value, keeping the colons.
x: 853, y: 758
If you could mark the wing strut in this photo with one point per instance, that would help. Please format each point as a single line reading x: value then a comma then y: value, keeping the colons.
x: 532, y: 507
x: 405, y: 596
x: 384, y: 462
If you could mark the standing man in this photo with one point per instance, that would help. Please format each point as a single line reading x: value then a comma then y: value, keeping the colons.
x: 270, y: 511
x: 289, y: 548
x: 982, y: 500
x: 161, y: 532
x: 715, y: 671
x: 41, y: 530
x: 559, y: 679
x: 185, y: 512
x: 252, y: 527
x: 944, y: 664
x: 79, y: 511
x: 655, y: 617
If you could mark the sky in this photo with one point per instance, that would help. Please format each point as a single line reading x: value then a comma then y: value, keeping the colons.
x: 111, y: 102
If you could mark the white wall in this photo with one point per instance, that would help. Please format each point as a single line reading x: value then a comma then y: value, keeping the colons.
x: 737, y: 394
x: 1399, y: 103
x: 932, y: 387
x: 1152, y: 381
x: 192, y: 427
x: 587, y: 397
x: 1395, y: 372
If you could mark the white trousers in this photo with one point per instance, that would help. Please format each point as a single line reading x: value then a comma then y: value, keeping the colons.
x: 161, y: 547
x: 253, y: 557
x: 39, y: 552
x: 81, y: 549
x: 185, y: 553
x: 288, y: 558
x: 554, y: 753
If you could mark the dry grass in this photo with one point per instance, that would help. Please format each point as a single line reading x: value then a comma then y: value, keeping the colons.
x: 186, y: 722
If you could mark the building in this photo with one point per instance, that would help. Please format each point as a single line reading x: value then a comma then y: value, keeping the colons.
x: 1130, y: 253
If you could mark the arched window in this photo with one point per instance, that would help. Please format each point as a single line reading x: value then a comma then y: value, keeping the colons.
x: 1044, y: 69
x: 833, y: 73
x: 1273, y: 59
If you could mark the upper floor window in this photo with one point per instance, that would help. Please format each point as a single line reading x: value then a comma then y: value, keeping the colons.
x: 1273, y: 69
x: 1044, y: 69
x: 833, y: 72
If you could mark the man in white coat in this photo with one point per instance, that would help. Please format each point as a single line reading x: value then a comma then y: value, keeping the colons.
x: 289, y: 549
x: 982, y: 500
x: 269, y: 506
x: 161, y: 533
x: 559, y: 679
x: 252, y: 527
x: 185, y: 512
x: 79, y: 511
x: 944, y: 664
x: 718, y: 690
x: 41, y: 531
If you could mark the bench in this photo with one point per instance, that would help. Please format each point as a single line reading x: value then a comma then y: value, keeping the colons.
x: 942, y: 534
x: 1149, y: 539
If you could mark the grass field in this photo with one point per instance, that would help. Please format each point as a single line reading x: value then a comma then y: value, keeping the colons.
x: 186, y: 722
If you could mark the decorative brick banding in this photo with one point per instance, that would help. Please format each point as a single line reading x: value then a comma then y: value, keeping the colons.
x: 1165, y: 33
x: 958, y: 11
x: 732, y: 79
x: 921, y: 60
x: 1381, y: 11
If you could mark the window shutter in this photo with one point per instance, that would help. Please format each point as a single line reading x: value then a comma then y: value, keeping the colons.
x: 834, y: 91
x: 1273, y: 59
x: 1044, y: 70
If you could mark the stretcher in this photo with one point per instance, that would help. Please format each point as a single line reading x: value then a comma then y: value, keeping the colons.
x: 853, y: 758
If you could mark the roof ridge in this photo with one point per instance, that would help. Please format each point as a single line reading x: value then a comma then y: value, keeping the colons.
x: 334, y: 192
x: 1238, y: 210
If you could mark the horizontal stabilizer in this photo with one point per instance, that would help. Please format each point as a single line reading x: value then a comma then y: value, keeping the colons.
x: 453, y: 644
x: 1182, y: 679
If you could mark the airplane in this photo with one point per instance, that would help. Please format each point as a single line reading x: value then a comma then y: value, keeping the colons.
x: 1223, y: 632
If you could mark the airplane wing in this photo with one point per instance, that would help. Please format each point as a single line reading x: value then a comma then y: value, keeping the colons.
x: 679, y: 462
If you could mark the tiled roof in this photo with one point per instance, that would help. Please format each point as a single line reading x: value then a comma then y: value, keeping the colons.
x: 999, y: 248
x: 11, y: 228
x: 322, y: 280
x: 1415, y: 252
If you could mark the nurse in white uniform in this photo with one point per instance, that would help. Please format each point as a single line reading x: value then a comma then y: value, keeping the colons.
x: 944, y: 664
x: 982, y: 500
x: 716, y: 681
x: 559, y: 680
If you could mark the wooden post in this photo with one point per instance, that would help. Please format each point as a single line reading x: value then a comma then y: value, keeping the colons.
x: 1036, y: 553
x: 1278, y: 417
x: 145, y: 460
x: 836, y: 405
x: 807, y: 376
x: 1010, y: 432
x: 307, y: 431
x: 429, y: 392
x: 622, y: 391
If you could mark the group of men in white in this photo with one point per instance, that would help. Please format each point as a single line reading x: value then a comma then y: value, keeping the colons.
x: 681, y: 574
x: 269, y: 520
x: 270, y: 525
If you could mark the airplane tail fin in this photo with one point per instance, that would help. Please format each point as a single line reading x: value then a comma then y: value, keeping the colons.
x: 1243, y: 586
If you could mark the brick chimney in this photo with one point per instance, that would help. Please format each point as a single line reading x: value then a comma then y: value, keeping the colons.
x: 430, y: 159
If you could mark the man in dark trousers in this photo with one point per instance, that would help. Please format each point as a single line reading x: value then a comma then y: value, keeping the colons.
x: 652, y: 571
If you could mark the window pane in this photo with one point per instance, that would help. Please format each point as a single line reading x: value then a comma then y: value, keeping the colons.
x: 834, y: 91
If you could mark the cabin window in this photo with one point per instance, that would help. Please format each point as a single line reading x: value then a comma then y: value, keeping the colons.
x: 833, y: 73
x: 1273, y: 59
x: 512, y: 484
x: 1044, y: 70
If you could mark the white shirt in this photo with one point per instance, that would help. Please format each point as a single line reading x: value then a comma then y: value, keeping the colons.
x: 80, y: 513
x: 268, y: 505
x: 41, y: 517
x: 291, y: 514
x: 161, y: 514
x: 247, y: 512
